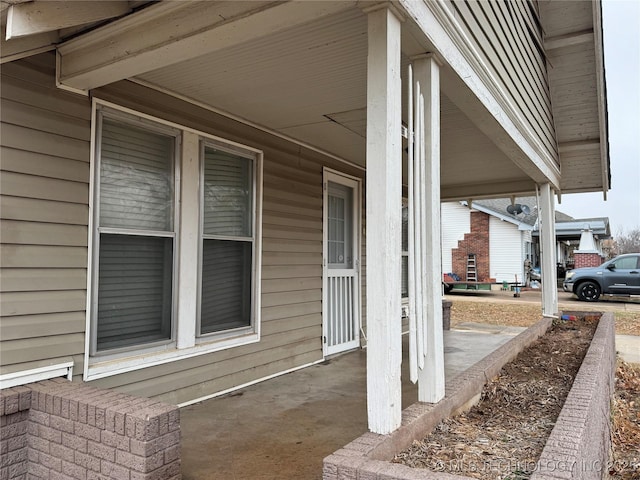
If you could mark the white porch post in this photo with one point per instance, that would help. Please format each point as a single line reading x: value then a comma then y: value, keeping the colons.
x: 548, y: 250
x: 384, y: 222
x: 431, y: 377
x: 189, y: 239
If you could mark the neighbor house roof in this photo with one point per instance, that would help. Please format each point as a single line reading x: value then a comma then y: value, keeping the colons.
x: 567, y: 227
x: 572, y: 229
x: 498, y: 207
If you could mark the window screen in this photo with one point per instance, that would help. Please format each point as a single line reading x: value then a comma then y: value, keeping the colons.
x: 339, y: 218
x: 134, y: 297
x: 227, y: 243
x: 136, y: 178
x: 135, y: 271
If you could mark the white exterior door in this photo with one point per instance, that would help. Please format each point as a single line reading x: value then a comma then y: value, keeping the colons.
x: 341, y: 264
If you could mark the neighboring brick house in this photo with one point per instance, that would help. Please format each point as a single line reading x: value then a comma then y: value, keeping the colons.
x: 497, y: 242
x: 501, y: 242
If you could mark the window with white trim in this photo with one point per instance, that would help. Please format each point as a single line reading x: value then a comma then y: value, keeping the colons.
x: 135, y: 237
x: 139, y: 240
x: 227, y: 240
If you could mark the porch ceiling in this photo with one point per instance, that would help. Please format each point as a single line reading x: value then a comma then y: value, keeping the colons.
x: 308, y: 82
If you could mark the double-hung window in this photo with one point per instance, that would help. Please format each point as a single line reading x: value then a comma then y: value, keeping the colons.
x: 227, y: 240
x: 175, y: 243
x: 135, y: 236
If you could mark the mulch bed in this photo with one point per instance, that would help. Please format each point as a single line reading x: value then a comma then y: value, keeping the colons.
x: 503, y: 436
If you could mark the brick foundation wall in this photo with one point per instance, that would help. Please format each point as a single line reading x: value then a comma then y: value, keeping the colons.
x: 475, y: 242
x: 62, y: 430
x: 14, y: 414
x: 587, y: 259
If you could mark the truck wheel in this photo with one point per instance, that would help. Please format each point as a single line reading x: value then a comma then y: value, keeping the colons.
x: 588, y: 291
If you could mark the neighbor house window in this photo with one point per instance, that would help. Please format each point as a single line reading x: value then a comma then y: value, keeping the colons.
x: 175, y: 269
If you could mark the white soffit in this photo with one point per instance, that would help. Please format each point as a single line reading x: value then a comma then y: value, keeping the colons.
x: 309, y: 82
x: 306, y: 71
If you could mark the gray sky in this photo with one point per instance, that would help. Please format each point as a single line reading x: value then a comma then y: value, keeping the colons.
x: 621, y: 19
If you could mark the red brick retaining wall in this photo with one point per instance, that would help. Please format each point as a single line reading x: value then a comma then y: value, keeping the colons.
x: 60, y: 430
x: 580, y: 437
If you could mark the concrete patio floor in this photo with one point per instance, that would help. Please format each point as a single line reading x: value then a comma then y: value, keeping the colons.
x: 283, y: 428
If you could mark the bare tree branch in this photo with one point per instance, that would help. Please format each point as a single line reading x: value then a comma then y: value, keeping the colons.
x: 628, y: 242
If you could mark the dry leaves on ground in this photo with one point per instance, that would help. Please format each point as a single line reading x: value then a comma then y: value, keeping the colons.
x: 495, y: 313
x: 628, y: 323
x: 525, y: 315
x: 626, y: 423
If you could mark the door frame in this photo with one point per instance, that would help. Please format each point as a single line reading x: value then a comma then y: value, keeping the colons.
x: 330, y: 175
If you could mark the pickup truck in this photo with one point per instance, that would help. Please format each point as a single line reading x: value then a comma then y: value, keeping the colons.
x: 619, y: 276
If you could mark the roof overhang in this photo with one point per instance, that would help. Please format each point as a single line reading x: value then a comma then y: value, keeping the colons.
x: 298, y: 70
x: 573, y: 230
x: 32, y: 27
x: 575, y: 58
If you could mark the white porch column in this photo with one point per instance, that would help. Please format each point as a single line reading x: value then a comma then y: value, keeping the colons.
x: 546, y: 212
x: 431, y: 377
x: 384, y: 222
x: 189, y: 228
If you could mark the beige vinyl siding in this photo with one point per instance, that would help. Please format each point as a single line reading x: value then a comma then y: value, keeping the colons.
x: 44, y: 230
x: 44, y: 186
x: 291, y: 329
x: 508, y: 40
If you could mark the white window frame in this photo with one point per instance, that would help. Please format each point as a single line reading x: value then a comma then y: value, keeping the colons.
x: 95, y: 232
x: 185, y: 342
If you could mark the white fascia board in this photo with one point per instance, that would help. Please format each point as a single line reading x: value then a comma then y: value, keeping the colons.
x: 172, y: 32
x: 32, y: 18
x: 18, y: 48
x: 438, y: 24
x: 601, y: 88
